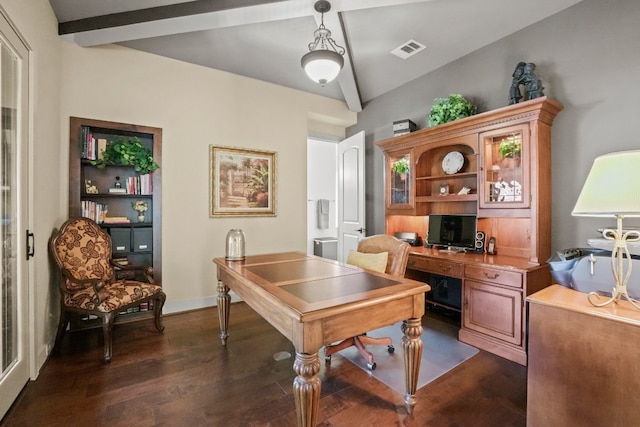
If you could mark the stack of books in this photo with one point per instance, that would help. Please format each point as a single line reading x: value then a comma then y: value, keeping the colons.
x: 116, y: 220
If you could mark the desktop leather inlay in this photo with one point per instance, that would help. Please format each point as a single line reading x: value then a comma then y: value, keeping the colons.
x: 326, y: 289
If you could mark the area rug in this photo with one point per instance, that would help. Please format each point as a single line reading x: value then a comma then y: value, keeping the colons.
x: 441, y: 352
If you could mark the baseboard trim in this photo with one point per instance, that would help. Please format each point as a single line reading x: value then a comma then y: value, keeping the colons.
x: 171, y: 307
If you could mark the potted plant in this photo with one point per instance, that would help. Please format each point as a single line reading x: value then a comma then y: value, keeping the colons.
x: 141, y: 207
x: 401, y: 167
x: 510, y: 150
x: 449, y: 109
x: 127, y: 152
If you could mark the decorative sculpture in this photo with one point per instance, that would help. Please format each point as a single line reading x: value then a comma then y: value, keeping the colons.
x: 524, y: 75
x: 514, y: 93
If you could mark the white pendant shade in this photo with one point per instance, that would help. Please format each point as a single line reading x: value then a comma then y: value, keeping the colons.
x: 322, y: 66
x: 324, y: 60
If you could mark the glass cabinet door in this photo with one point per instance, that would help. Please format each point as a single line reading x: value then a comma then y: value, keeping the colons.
x: 505, y: 172
x: 400, y: 181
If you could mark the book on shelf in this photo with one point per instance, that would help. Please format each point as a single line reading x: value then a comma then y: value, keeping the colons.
x: 94, y: 211
x: 140, y: 184
x: 116, y: 220
x: 114, y: 190
x: 102, y: 147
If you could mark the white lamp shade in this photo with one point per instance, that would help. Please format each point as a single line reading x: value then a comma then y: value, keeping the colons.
x: 322, y: 66
x: 612, y: 187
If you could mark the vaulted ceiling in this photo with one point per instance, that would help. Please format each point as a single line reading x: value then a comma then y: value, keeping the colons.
x: 265, y: 39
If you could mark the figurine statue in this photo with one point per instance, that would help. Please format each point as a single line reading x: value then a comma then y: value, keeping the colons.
x: 524, y: 74
x: 534, y: 86
x: 514, y: 93
x: 89, y: 187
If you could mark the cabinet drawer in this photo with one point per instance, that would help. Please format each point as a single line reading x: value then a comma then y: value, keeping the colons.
x: 120, y: 240
x: 494, y: 275
x: 436, y: 266
x: 142, y: 239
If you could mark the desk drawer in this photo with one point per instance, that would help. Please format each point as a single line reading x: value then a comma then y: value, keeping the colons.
x: 494, y: 275
x: 436, y: 266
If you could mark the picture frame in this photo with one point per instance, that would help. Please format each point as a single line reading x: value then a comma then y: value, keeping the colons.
x: 242, y: 182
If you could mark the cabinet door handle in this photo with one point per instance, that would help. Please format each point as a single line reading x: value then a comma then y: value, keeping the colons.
x: 491, y: 276
x: 444, y: 268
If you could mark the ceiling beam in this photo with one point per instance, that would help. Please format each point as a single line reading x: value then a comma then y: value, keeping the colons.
x: 203, y: 15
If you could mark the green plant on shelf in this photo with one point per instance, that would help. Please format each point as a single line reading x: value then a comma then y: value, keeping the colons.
x: 454, y: 107
x: 401, y: 166
x: 125, y: 151
x: 510, y: 147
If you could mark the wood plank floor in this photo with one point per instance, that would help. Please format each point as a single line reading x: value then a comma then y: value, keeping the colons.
x: 185, y: 377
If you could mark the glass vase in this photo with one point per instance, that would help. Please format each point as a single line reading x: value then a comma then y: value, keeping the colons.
x: 235, y: 245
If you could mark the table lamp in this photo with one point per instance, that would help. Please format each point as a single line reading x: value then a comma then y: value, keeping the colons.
x: 612, y: 189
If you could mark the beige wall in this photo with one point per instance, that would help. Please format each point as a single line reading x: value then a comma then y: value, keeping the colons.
x: 37, y: 25
x: 196, y: 107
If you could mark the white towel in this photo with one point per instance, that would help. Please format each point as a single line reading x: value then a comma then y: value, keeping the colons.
x: 323, y: 213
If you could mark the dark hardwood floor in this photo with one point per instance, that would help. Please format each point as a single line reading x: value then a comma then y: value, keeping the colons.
x: 185, y: 377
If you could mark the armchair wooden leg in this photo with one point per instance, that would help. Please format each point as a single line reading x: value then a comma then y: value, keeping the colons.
x: 62, y: 328
x: 107, y: 331
x: 157, y: 308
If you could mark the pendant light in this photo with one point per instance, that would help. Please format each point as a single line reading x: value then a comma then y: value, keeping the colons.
x: 324, y: 60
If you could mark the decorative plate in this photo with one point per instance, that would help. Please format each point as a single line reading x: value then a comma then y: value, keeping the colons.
x: 452, y: 162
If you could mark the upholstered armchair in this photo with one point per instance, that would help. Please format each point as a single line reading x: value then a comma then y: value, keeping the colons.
x: 390, y: 256
x: 88, y: 284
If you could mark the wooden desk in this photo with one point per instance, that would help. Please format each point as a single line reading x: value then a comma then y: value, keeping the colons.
x: 494, y: 288
x: 315, y: 301
x: 583, y: 361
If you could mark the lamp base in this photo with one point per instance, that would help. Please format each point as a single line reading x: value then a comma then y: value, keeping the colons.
x: 618, y: 255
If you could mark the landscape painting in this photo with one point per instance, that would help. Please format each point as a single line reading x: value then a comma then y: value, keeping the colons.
x: 242, y: 182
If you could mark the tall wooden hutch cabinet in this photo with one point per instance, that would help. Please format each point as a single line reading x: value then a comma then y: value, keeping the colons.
x: 497, y: 166
x: 107, y: 195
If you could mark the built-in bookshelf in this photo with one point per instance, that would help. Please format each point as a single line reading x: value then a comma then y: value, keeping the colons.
x: 108, y: 194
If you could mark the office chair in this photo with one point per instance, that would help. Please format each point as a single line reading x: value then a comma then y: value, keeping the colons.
x: 398, y: 255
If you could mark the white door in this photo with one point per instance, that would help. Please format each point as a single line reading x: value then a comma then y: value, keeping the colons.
x: 14, y: 304
x: 351, y: 206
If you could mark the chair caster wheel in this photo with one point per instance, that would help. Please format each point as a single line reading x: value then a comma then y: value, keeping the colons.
x: 391, y: 349
x: 371, y: 366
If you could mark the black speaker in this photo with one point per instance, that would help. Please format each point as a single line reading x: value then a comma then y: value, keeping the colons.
x: 481, y: 238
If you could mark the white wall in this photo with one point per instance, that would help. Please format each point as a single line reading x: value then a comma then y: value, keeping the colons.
x: 322, y: 175
x: 196, y: 107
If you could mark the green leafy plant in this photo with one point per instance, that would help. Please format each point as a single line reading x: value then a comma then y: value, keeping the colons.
x: 401, y: 166
x: 449, y: 109
x: 127, y: 152
x: 510, y: 148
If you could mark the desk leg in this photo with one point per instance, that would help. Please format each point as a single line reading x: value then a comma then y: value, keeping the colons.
x: 306, y: 388
x: 412, y: 348
x: 224, y: 304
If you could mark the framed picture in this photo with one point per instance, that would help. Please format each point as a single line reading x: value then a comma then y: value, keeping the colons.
x: 242, y: 182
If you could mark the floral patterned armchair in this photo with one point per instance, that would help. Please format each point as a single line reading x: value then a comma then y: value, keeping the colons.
x: 88, y: 284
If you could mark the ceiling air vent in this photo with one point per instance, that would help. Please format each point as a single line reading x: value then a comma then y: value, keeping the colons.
x: 408, y: 49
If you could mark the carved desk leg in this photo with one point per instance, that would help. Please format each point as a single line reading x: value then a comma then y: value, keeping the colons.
x: 224, y: 302
x: 306, y: 388
x: 412, y: 348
